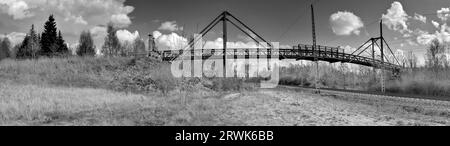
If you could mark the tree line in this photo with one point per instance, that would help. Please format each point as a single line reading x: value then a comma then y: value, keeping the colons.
x: 436, y: 57
x: 50, y: 43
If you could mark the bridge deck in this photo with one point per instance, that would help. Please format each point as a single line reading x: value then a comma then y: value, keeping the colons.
x: 301, y: 52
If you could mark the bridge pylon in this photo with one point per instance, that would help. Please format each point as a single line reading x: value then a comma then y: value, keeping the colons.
x: 379, y: 43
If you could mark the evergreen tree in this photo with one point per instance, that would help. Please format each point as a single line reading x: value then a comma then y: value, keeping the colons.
x: 86, y: 45
x: 30, y: 46
x: 63, y: 49
x: 23, y: 51
x: 5, y: 46
x: 49, y: 37
x: 111, y: 46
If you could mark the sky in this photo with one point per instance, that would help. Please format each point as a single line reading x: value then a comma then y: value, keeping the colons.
x: 409, y: 25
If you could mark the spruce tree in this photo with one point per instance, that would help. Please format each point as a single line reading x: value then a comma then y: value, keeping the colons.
x: 63, y: 49
x: 30, y: 46
x: 49, y: 38
x: 24, y: 51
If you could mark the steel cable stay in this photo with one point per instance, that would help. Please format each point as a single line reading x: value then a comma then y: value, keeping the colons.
x: 300, y: 52
x: 223, y: 18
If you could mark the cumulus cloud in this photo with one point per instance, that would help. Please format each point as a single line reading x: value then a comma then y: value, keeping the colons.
x: 425, y: 39
x: 170, y: 26
x: 125, y: 36
x: 420, y: 18
x: 121, y: 20
x: 443, y: 14
x: 14, y: 37
x: 396, y: 17
x: 171, y: 41
x: 72, y: 16
x: 18, y: 9
x: 218, y: 44
x: 345, y: 23
x: 435, y: 24
x: 443, y: 35
x: 74, y: 10
x: 98, y: 31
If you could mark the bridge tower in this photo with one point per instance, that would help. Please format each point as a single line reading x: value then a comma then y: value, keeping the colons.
x: 226, y: 19
x: 383, y: 64
x: 225, y: 40
x: 383, y: 88
x: 314, y: 39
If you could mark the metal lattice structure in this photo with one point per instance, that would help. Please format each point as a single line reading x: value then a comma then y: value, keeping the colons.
x: 361, y: 56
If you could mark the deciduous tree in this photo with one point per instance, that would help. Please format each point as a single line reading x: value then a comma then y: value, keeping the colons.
x: 86, y: 45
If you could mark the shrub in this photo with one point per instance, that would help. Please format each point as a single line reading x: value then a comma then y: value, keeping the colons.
x: 163, y: 79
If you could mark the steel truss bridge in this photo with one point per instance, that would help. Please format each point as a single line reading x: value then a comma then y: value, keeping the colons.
x: 371, y: 53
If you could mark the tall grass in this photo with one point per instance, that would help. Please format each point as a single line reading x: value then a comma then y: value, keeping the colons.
x: 126, y: 74
x: 422, y: 82
x: 417, y: 82
x: 118, y: 73
x: 48, y: 90
x: 329, y: 76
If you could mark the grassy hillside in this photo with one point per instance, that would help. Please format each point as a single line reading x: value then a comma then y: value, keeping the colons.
x: 121, y: 74
x: 106, y: 91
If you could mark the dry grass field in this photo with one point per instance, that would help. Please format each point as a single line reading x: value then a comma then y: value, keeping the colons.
x: 123, y: 91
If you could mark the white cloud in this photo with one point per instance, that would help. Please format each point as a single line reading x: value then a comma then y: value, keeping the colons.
x: 443, y: 14
x: 435, y: 24
x: 218, y: 44
x: 420, y: 18
x: 125, y: 36
x: 15, y: 37
x: 98, y: 31
x: 425, y: 38
x: 72, y: 16
x: 396, y: 18
x: 170, y: 26
x: 75, y: 10
x: 121, y: 20
x: 171, y: 41
x: 18, y: 9
x: 443, y: 35
x: 345, y: 23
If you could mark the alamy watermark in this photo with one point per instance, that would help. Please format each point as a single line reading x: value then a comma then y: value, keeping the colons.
x: 259, y: 61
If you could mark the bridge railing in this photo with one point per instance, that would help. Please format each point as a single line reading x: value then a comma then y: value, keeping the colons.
x: 323, y: 53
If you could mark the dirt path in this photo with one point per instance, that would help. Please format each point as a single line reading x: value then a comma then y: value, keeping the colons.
x: 288, y: 107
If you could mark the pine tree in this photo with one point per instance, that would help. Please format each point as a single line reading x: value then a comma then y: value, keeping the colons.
x: 86, y: 45
x: 111, y: 46
x: 5, y: 46
x: 49, y: 38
